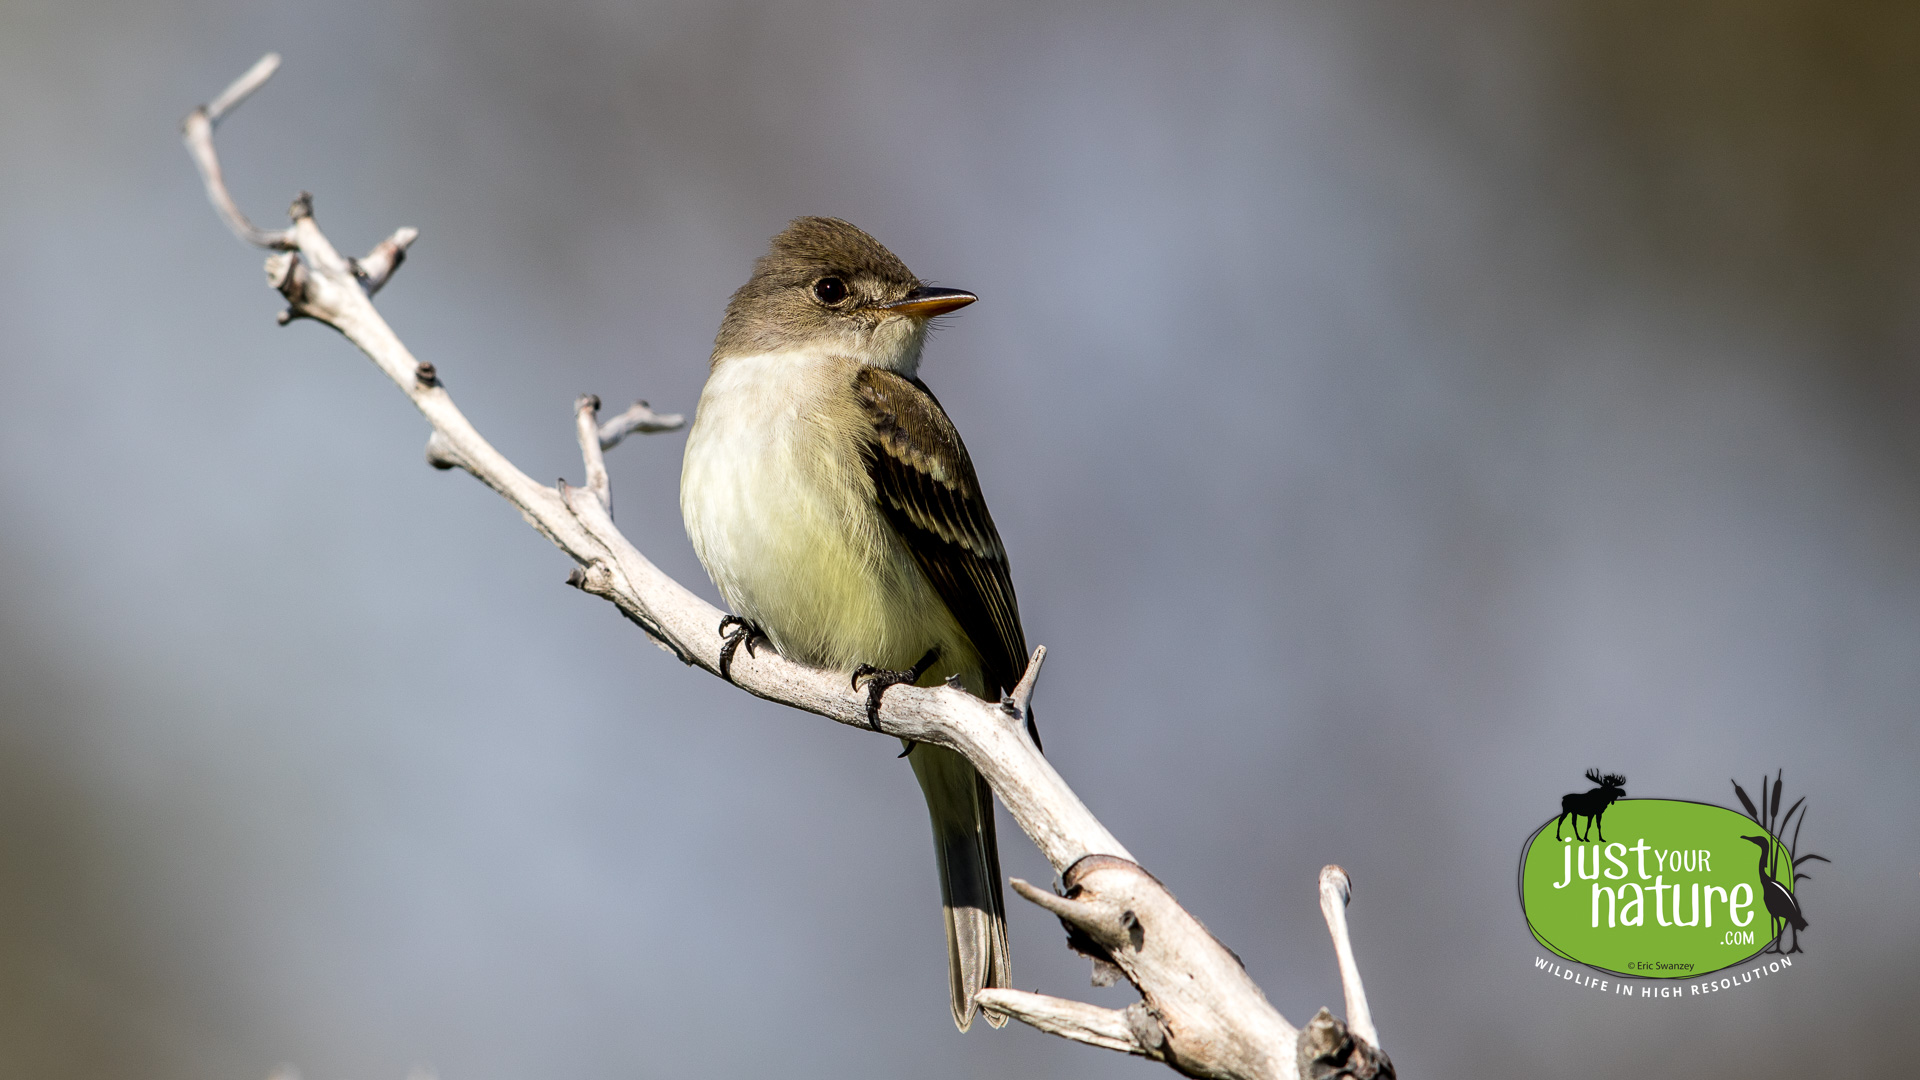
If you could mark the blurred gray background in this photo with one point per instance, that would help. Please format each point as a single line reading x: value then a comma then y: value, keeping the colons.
x: 1392, y: 411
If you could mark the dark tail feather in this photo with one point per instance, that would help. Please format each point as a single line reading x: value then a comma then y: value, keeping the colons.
x: 961, y: 806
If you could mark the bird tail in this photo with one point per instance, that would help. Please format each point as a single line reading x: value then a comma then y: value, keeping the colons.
x: 961, y: 806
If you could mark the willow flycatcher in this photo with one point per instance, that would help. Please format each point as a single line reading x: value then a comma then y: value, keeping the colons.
x: 835, y: 507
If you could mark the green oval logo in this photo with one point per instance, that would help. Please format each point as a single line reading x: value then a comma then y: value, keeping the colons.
x: 1657, y: 889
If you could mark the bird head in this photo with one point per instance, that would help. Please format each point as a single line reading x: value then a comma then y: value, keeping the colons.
x: 824, y: 284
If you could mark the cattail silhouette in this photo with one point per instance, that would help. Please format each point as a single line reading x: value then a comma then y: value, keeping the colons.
x: 1781, y: 902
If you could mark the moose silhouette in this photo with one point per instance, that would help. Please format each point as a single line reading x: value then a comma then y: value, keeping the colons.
x: 1590, y: 804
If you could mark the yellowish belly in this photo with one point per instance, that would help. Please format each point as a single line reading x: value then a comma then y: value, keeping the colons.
x: 780, y: 511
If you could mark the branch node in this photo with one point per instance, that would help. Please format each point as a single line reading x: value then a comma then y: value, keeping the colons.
x: 596, y: 579
x: 442, y: 455
x: 1099, y: 925
x: 280, y: 266
x: 378, y: 267
x: 1327, y: 1050
x: 1147, y: 1028
x: 302, y: 206
x: 288, y: 273
x: 425, y: 375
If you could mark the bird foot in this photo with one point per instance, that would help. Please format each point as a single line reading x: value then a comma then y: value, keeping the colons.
x: 742, y: 633
x: 879, y: 680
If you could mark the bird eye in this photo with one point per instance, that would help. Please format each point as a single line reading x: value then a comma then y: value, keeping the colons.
x: 830, y: 290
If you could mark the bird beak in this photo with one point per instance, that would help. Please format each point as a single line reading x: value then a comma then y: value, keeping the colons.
x: 926, y: 301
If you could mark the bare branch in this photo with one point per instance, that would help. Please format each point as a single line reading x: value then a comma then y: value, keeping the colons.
x: 386, y: 257
x: 594, y: 439
x: 1200, y: 1012
x: 242, y: 88
x: 1022, y: 694
x: 585, y: 410
x: 1336, y: 891
x: 197, y: 130
x: 641, y: 418
x: 1074, y: 1020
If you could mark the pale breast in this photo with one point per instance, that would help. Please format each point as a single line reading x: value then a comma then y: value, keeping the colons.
x: 780, y: 510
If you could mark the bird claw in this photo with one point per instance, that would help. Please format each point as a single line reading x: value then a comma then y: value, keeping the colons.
x: 879, y: 680
x: 743, y: 632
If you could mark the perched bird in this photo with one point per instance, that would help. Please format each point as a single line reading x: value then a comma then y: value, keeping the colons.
x: 835, y: 507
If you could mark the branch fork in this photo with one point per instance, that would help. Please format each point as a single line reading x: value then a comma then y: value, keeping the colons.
x: 1200, y: 1012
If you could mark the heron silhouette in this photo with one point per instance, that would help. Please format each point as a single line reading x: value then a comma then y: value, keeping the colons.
x: 1780, y: 902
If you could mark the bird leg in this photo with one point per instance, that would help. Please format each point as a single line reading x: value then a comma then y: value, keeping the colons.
x: 880, y: 679
x: 743, y: 633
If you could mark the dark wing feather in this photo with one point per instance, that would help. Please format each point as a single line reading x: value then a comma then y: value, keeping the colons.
x: 927, y: 489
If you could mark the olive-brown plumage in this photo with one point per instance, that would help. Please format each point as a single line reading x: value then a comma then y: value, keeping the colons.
x: 836, y: 508
x: 925, y: 485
